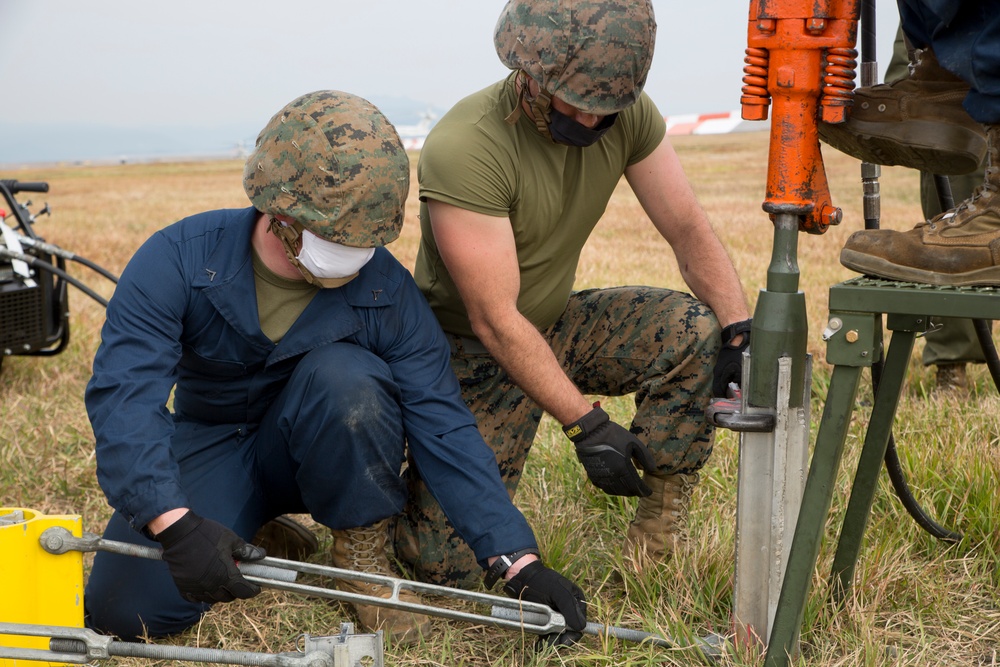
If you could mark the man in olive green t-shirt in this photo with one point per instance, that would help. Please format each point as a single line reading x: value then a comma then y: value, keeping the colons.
x: 512, y: 182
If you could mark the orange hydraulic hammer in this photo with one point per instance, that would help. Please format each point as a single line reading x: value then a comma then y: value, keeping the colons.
x: 801, y: 58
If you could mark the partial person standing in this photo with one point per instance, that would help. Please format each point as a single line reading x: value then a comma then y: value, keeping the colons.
x: 939, y: 119
x: 951, y: 343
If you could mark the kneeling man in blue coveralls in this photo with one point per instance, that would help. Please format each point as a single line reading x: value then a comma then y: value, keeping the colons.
x: 303, y: 361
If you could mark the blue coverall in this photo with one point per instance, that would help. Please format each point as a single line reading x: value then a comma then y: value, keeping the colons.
x: 315, y: 424
x: 965, y: 36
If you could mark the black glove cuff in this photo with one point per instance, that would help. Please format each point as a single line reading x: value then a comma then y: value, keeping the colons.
x: 503, y: 563
x: 586, y: 424
x: 179, y: 529
x: 515, y: 585
x: 734, y: 330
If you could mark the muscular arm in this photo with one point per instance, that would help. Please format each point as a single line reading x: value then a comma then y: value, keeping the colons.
x: 665, y: 194
x: 481, y: 257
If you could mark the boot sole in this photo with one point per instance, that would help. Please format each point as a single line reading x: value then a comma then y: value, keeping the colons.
x: 954, y: 150
x: 284, y: 537
x: 883, y: 268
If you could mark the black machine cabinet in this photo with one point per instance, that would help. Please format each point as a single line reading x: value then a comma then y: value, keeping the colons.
x: 34, y: 304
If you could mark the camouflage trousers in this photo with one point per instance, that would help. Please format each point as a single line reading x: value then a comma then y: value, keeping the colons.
x: 655, y: 343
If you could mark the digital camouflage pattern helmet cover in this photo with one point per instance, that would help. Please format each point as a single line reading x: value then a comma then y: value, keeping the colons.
x: 592, y: 54
x: 332, y: 162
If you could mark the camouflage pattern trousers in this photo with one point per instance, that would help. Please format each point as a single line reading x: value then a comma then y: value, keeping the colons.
x: 655, y: 343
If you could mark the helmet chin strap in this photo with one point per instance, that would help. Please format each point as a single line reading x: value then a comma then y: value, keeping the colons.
x: 515, y: 113
x: 540, y: 105
x: 289, y: 236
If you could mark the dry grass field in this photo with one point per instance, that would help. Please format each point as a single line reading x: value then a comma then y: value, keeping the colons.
x: 916, y: 601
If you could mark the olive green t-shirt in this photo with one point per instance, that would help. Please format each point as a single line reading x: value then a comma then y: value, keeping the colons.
x: 553, y: 194
x: 280, y: 301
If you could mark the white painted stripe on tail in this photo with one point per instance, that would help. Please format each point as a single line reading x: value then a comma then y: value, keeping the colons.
x: 711, y: 123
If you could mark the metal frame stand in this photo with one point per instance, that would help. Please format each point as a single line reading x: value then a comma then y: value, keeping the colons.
x: 854, y: 337
x: 800, y: 60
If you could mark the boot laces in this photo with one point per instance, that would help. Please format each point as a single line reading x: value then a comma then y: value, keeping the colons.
x: 681, y: 501
x: 988, y: 187
x: 366, y: 547
x: 955, y: 215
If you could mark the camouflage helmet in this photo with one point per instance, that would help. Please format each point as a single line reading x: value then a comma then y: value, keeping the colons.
x: 592, y: 54
x: 333, y: 163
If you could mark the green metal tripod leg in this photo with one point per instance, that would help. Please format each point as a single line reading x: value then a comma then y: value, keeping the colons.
x: 816, y: 500
x: 870, y: 463
x: 853, y: 341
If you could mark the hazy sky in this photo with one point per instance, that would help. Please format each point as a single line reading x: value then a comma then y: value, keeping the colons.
x: 130, y: 63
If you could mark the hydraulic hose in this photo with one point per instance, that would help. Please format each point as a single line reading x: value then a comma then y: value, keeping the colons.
x: 913, y: 508
x: 66, y: 254
x: 984, y: 332
x: 36, y: 263
x: 899, y: 484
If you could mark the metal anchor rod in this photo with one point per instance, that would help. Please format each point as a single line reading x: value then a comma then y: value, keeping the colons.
x: 711, y: 645
x: 81, y: 645
x: 58, y: 540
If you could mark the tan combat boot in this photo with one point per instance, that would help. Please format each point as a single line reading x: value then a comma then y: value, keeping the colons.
x: 660, y: 525
x: 951, y: 378
x: 917, y: 122
x: 958, y: 247
x: 363, y: 550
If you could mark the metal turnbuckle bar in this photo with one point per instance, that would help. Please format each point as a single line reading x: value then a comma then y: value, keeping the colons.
x: 544, y: 621
x: 280, y: 574
x: 519, y: 615
x: 81, y: 646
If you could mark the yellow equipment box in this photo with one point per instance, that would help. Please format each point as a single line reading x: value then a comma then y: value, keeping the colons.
x: 37, y: 587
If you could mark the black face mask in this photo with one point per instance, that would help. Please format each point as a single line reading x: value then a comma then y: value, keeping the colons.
x: 565, y: 130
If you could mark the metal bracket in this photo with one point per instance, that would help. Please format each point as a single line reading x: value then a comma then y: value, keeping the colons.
x: 852, y: 339
x: 13, y: 244
x: 729, y: 413
x: 735, y: 414
x: 11, y: 518
x: 347, y: 648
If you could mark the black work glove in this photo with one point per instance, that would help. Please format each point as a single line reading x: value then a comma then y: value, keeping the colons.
x: 200, y: 555
x: 537, y: 583
x: 606, y: 451
x: 729, y: 367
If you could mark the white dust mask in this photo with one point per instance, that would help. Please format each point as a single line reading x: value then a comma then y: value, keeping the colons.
x: 326, y: 259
